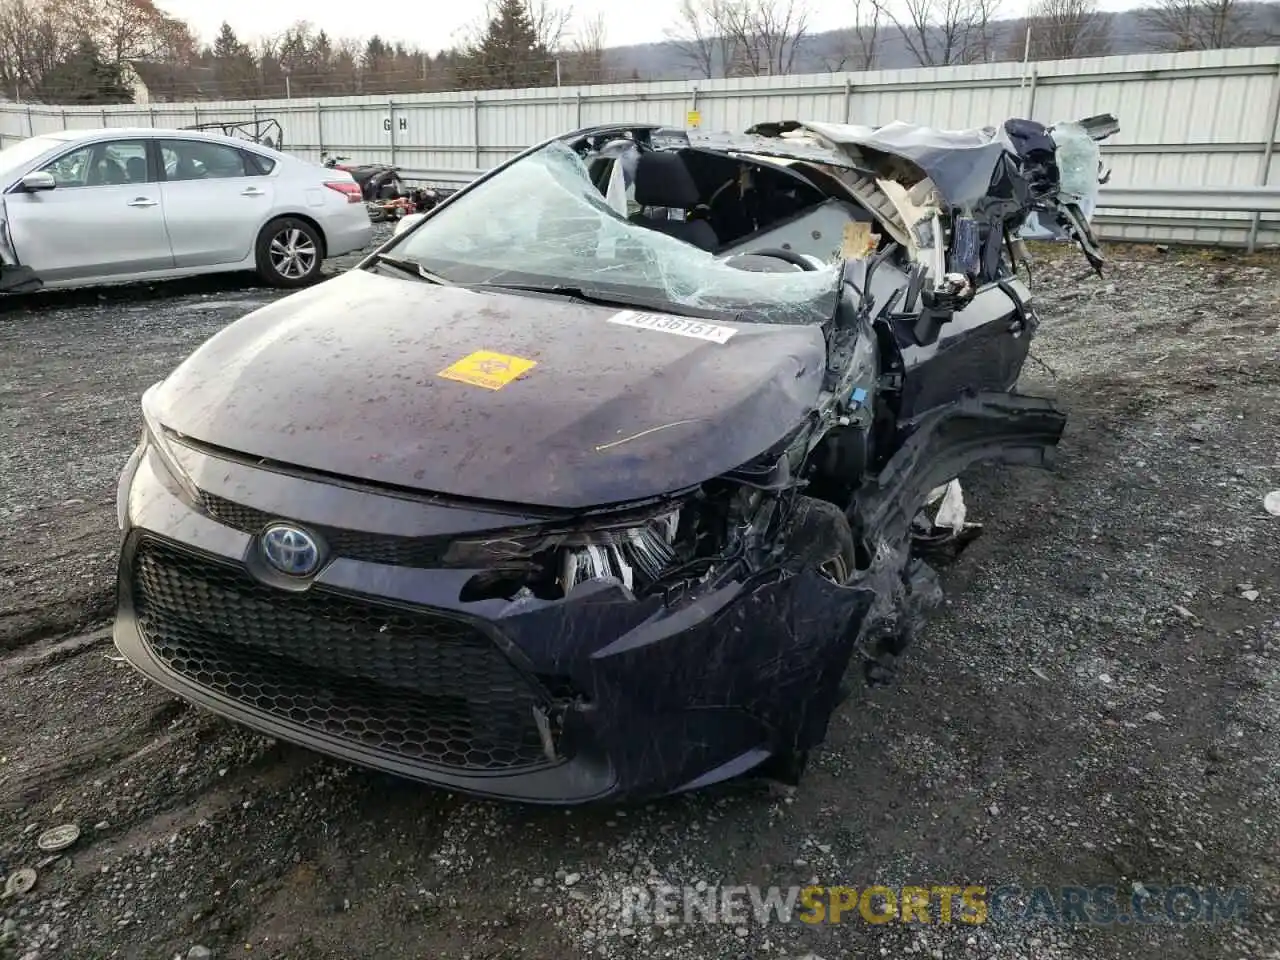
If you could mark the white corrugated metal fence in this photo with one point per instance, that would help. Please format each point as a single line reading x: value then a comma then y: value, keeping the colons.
x: 1188, y: 120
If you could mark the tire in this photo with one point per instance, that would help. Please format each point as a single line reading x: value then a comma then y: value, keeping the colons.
x: 289, y: 253
x: 787, y: 767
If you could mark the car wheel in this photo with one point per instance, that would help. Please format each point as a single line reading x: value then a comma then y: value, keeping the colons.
x: 289, y: 253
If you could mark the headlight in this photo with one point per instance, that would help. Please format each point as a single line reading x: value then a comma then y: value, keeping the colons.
x: 125, y: 483
x: 611, y: 546
x: 156, y: 437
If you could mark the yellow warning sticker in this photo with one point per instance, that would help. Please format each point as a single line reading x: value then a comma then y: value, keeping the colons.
x: 487, y: 369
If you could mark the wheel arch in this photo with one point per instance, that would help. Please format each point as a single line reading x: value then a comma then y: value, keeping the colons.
x: 305, y: 218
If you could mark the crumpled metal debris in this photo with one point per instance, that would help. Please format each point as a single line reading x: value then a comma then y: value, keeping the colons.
x: 951, y: 512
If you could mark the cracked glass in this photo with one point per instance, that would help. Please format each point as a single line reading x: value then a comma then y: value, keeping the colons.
x: 542, y: 221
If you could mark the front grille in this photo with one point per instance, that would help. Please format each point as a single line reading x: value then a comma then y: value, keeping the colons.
x: 355, y: 544
x: 414, y: 683
x: 233, y: 514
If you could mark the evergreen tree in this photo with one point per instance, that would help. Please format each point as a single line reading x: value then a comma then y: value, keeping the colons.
x: 375, y: 52
x: 228, y: 46
x: 375, y: 66
x: 509, y: 53
x: 84, y: 76
x: 234, y: 66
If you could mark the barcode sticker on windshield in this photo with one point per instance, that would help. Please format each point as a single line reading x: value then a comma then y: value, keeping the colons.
x: 682, y: 326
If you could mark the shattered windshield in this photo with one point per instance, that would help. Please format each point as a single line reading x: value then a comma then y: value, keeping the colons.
x: 542, y: 222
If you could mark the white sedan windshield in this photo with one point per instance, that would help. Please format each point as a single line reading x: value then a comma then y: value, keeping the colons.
x: 17, y: 156
x: 542, y: 221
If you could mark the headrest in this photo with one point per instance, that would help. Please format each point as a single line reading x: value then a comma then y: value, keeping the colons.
x: 663, y: 180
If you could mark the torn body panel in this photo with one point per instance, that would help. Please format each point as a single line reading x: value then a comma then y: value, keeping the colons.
x: 14, y: 276
x: 943, y: 443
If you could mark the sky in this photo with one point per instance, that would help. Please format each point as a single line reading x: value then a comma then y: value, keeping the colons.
x: 440, y: 25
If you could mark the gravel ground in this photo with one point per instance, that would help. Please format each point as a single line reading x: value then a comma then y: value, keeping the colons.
x: 1097, y: 704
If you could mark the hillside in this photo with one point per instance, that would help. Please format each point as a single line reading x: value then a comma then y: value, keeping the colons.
x: 1125, y: 32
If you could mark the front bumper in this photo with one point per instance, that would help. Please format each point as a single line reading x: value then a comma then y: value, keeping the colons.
x: 377, y: 661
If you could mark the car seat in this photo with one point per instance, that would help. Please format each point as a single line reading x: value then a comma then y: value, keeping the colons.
x: 185, y: 169
x: 136, y: 168
x: 663, y: 180
x: 107, y: 173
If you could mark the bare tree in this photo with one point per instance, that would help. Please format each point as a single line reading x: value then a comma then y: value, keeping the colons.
x: 130, y: 29
x: 35, y: 37
x: 292, y: 46
x: 858, y: 45
x: 550, y: 22
x: 1180, y: 25
x: 1062, y: 30
x: 586, y: 53
x: 941, y: 33
x: 177, y: 43
x: 702, y: 36
x: 767, y: 34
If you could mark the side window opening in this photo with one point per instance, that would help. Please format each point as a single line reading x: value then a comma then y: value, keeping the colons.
x: 258, y: 165
x: 114, y: 163
x: 195, y: 160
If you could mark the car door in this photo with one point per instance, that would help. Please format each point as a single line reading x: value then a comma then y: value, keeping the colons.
x: 216, y: 198
x: 980, y: 348
x: 104, y: 217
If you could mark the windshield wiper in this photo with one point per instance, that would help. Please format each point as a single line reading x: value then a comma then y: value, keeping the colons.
x: 600, y: 299
x: 564, y: 290
x: 411, y: 267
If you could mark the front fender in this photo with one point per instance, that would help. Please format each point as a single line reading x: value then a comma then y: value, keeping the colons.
x: 14, y: 278
x: 940, y: 444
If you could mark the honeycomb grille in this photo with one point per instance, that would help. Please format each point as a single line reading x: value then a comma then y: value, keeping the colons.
x: 355, y: 544
x: 234, y: 514
x: 417, y: 684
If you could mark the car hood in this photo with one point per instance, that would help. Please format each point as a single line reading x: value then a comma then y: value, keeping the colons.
x: 346, y: 378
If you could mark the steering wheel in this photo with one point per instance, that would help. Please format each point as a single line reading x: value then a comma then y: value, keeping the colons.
x: 777, y: 253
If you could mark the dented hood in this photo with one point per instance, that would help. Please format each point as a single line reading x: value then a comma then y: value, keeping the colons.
x: 349, y: 378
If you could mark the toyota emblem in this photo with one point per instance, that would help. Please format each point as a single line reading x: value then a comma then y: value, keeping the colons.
x: 291, y: 550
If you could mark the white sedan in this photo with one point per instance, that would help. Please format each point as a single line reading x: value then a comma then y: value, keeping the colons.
x: 120, y: 205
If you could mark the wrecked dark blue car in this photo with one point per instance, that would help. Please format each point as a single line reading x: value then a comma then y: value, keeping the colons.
x: 602, y: 477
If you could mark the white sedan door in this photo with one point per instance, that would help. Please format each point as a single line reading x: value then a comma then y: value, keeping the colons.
x: 103, y: 219
x: 215, y: 200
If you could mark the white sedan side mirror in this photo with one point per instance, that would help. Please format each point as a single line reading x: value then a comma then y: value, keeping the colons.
x: 35, y: 182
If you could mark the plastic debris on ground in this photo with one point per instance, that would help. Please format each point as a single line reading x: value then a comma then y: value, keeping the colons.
x: 58, y: 838
x: 20, y: 882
